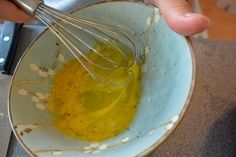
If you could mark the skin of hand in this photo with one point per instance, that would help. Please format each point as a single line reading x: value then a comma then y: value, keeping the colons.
x: 177, y: 13
x: 179, y: 16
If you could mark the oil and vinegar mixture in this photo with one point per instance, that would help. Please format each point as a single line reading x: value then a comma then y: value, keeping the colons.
x: 86, y: 109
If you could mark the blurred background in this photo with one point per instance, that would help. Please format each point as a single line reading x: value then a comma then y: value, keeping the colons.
x: 223, y: 18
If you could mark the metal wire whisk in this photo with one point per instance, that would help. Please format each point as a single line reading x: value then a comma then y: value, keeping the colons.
x: 80, y: 35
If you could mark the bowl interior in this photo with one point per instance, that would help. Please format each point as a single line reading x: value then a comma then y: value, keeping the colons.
x: 167, y: 83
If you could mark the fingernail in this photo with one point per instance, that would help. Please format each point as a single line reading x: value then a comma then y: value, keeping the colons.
x: 189, y: 15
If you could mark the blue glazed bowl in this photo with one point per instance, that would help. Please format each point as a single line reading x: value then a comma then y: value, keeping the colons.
x: 167, y: 85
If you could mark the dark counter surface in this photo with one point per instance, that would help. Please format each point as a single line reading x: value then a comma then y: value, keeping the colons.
x: 208, y: 128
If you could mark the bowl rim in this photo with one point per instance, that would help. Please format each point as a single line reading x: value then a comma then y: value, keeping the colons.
x: 153, y: 146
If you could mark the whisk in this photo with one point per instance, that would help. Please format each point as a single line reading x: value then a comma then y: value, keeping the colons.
x: 80, y: 35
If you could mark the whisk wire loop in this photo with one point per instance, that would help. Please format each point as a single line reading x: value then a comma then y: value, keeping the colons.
x: 64, y: 42
x: 53, y: 21
x: 119, y: 30
x: 82, y: 37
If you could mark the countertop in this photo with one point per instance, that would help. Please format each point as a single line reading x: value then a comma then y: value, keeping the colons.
x: 208, y: 128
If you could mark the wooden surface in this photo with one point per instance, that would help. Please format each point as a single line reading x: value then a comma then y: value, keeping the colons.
x: 223, y: 24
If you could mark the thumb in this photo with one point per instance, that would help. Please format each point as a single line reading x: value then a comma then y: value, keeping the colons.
x: 179, y: 16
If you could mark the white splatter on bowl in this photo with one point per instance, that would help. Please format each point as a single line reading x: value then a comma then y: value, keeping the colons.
x: 167, y: 85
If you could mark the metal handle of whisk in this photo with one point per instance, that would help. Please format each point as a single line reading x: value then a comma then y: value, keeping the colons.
x: 29, y: 6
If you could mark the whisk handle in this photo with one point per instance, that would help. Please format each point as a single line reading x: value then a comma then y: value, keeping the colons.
x: 28, y: 6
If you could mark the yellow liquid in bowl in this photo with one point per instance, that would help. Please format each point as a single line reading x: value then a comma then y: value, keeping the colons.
x: 89, y: 110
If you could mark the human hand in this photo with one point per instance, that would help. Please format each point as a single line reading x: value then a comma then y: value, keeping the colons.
x: 179, y: 16
x: 9, y: 11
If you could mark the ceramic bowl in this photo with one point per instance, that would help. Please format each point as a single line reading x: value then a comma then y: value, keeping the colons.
x: 168, y: 76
